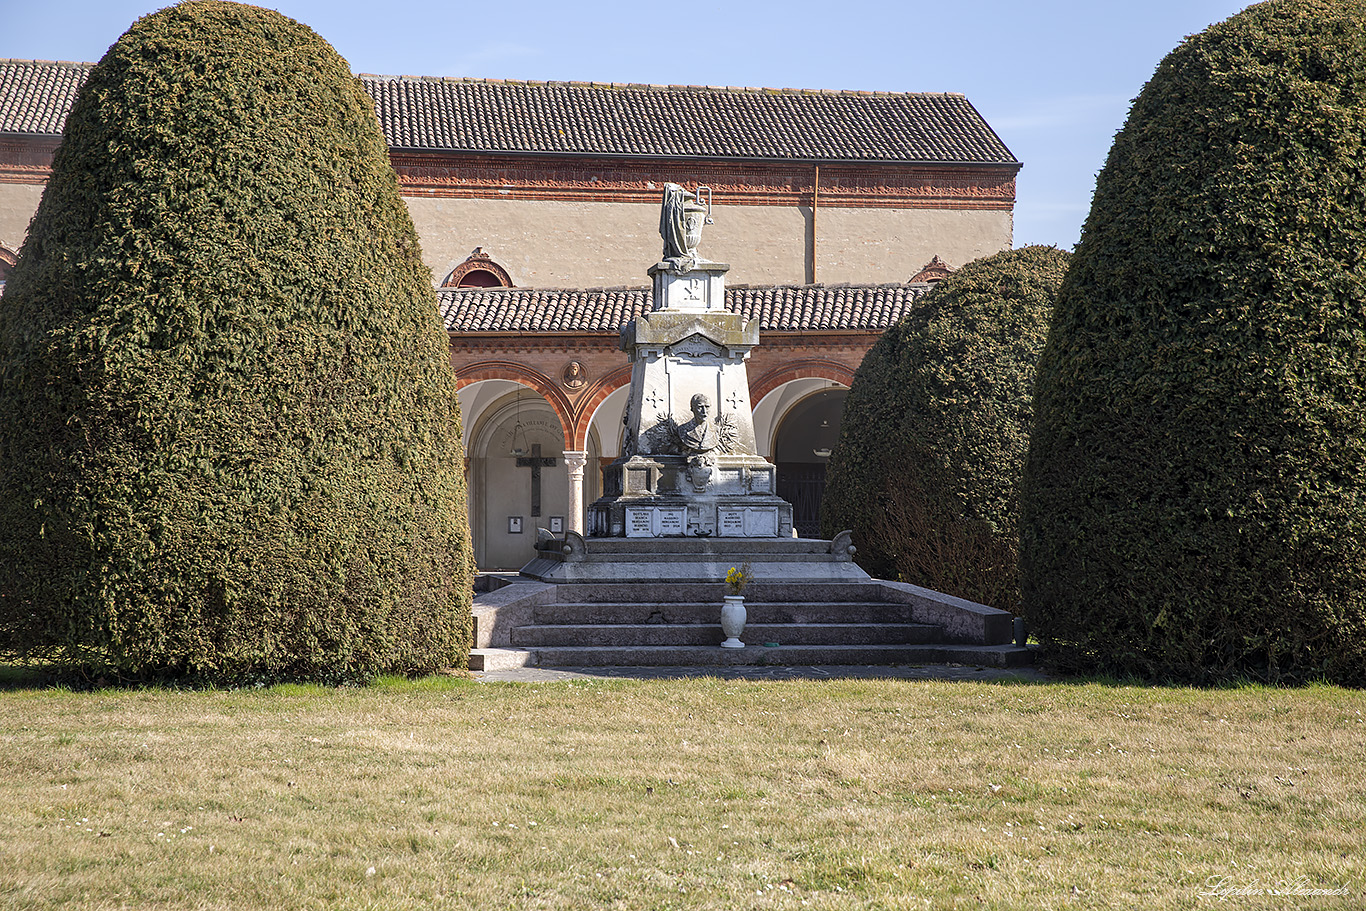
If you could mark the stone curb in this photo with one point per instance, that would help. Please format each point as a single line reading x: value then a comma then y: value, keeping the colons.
x: 950, y: 672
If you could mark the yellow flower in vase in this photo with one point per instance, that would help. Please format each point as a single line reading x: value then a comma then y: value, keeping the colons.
x: 737, y: 579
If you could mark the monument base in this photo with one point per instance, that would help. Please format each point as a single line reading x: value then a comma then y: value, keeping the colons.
x: 666, y: 497
x: 575, y: 559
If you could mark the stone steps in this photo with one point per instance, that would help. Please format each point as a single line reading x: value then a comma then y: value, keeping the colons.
x: 783, y: 655
x: 712, y: 593
x: 549, y: 636
x: 677, y: 624
x: 648, y: 613
x: 692, y: 562
x: 500, y: 659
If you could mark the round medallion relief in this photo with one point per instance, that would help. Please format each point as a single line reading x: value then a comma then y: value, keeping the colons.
x: 574, y: 375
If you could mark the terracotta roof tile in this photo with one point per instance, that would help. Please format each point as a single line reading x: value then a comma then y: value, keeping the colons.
x: 490, y: 116
x: 35, y: 95
x: 779, y: 308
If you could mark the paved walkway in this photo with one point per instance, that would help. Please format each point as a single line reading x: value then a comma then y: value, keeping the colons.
x: 759, y: 672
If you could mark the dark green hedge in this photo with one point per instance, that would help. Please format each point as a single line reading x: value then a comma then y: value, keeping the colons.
x: 932, y: 442
x: 1194, y: 504
x: 231, y: 443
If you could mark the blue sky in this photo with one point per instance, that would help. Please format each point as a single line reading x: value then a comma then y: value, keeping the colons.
x: 1054, y: 78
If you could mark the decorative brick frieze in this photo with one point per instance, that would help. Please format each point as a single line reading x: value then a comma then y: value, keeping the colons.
x: 26, y: 159
x: 807, y: 368
x: 874, y: 185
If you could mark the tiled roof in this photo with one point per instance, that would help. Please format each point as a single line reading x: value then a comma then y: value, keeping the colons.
x: 779, y: 308
x: 35, y: 95
x: 489, y: 116
x: 681, y: 121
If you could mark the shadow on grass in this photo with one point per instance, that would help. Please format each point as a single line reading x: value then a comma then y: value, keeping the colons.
x: 20, y: 677
x: 29, y: 677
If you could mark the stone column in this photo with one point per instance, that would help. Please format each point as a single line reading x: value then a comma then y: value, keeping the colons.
x: 574, y: 463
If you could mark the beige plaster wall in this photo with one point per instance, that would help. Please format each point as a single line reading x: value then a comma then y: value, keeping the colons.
x: 18, y: 202
x: 594, y: 244
x: 891, y: 245
x: 542, y: 244
x: 547, y: 244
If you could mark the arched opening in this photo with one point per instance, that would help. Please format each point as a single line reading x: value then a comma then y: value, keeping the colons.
x: 606, y: 431
x: 806, y: 434
x: 935, y: 271
x: 480, y: 278
x: 517, y: 478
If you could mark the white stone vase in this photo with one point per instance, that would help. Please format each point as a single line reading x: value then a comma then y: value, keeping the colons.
x: 733, y: 620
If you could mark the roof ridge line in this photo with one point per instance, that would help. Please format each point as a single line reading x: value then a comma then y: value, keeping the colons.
x: 652, y: 86
x: 549, y: 289
x: 72, y: 63
x: 574, y: 83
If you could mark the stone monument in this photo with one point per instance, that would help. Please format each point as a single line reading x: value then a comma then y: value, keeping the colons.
x: 689, y: 465
x: 689, y: 489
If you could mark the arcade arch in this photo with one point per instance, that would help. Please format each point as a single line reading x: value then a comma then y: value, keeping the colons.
x: 515, y: 469
x: 516, y: 438
x: 798, y: 424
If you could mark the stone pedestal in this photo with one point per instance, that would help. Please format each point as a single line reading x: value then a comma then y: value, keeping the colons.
x: 671, y: 561
x: 654, y: 496
x: 689, y: 465
x: 701, y: 289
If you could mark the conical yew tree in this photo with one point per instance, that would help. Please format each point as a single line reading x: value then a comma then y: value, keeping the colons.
x: 1194, y: 500
x: 231, y: 442
x: 927, y: 469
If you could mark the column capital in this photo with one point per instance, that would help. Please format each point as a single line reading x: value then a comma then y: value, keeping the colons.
x: 575, y: 461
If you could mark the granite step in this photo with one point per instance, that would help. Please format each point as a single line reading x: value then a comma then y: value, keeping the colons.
x: 709, y: 634
x: 635, y: 592
x: 653, y: 611
x: 783, y: 655
x: 500, y: 659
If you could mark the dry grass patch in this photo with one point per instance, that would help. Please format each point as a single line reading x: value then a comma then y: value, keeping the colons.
x: 682, y: 794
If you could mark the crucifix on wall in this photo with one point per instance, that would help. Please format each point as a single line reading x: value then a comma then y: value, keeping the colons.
x: 535, y: 463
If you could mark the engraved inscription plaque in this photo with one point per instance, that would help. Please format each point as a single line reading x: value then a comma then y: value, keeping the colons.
x: 640, y: 523
x: 656, y: 522
x: 761, y: 523
x: 670, y: 521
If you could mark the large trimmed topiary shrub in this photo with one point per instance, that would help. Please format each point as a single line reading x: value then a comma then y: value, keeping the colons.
x: 230, y: 446
x: 1194, y: 504
x: 927, y: 468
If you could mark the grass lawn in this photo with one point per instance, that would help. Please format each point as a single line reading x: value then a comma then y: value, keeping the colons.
x: 707, y: 793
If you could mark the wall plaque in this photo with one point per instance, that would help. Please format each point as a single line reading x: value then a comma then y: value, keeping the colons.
x: 732, y: 522
x: 640, y: 523
x: 761, y: 523
x: 670, y: 521
x: 656, y: 521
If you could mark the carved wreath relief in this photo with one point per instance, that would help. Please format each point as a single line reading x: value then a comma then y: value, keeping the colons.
x: 698, y: 439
